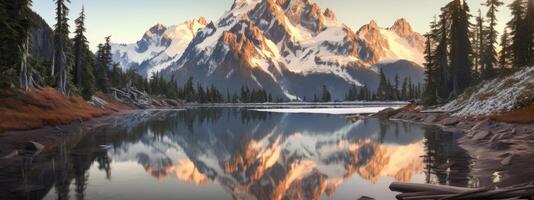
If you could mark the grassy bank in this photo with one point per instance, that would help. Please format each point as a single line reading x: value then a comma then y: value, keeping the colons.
x: 23, y: 110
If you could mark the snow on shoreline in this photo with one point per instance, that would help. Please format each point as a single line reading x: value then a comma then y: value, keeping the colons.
x: 495, y: 96
x: 334, y: 111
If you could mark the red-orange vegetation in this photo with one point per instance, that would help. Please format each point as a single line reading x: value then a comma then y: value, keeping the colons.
x: 23, y: 110
x: 521, y: 116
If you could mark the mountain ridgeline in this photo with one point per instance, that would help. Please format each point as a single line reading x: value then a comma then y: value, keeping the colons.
x: 289, y: 48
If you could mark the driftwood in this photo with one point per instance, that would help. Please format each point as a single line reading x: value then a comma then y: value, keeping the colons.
x: 414, y: 191
x: 140, y: 99
x: 133, y: 96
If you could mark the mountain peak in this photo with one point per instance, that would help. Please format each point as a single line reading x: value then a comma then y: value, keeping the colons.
x: 158, y: 28
x: 240, y: 3
x: 202, y: 21
x: 372, y: 24
x: 330, y: 14
x: 402, y: 27
x: 371, y: 27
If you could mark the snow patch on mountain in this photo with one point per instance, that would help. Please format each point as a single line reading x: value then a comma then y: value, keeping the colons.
x: 400, y: 49
x: 160, y: 47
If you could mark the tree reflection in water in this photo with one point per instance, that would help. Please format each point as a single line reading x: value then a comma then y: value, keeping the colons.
x: 249, y: 154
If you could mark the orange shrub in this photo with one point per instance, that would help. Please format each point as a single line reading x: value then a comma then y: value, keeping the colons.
x: 22, y: 110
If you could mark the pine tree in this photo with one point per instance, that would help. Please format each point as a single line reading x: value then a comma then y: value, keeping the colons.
x: 382, y: 86
x: 504, y: 54
x: 429, y: 97
x: 490, y: 53
x: 104, y: 63
x: 88, y: 83
x: 7, y: 33
x: 460, y: 49
x: 15, y: 24
x: 404, y: 90
x: 440, y: 58
x: 529, y: 23
x: 518, y: 32
x: 326, y: 97
x: 478, y: 44
x: 189, y: 90
x: 352, y: 94
x: 80, y: 44
x: 201, y: 95
x: 395, y: 92
x: 61, y: 37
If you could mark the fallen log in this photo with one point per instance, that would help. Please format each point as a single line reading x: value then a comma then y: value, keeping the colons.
x: 413, y: 194
x: 417, y: 187
x: 415, y: 191
x: 464, y: 194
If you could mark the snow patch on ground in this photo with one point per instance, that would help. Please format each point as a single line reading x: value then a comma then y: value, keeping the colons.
x: 496, y: 96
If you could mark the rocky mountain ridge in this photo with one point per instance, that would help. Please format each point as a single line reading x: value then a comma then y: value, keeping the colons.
x: 289, y: 48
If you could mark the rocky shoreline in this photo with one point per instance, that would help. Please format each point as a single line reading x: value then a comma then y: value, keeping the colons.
x: 13, y: 144
x: 503, y: 153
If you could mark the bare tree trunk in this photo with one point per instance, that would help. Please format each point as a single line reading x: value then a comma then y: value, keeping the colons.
x: 62, y: 69
x: 25, y: 73
x: 53, y: 66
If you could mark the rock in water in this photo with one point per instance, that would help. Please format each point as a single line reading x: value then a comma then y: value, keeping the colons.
x: 431, y: 119
x: 484, y: 124
x: 11, y: 155
x: 500, y: 145
x: 451, y: 121
x: 508, y: 160
x: 366, y: 198
x: 481, y: 135
x: 33, y: 146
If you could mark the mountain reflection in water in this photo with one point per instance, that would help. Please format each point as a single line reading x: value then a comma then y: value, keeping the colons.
x: 225, y: 153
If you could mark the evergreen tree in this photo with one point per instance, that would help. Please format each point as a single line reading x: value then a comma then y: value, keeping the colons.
x: 326, y: 97
x: 404, y: 90
x: 201, y: 98
x: 518, y: 32
x: 504, y: 55
x: 15, y: 24
x: 460, y: 49
x: 490, y: 53
x: 352, y: 94
x: 88, y: 83
x: 189, y: 90
x: 61, y: 37
x: 395, y: 91
x: 80, y: 44
x: 104, y: 63
x: 529, y: 26
x: 382, y: 86
x: 441, y: 55
x: 7, y: 55
x: 228, y: 97
x: 478, y: 45
x: 429, y: 94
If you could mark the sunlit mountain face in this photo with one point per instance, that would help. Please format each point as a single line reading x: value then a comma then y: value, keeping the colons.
x: 290, y: 48
x: 241, y: 154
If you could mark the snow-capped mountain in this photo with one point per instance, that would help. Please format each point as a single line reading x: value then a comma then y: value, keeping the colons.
x: 159, y: 47
x: 291, y: 48
x: 399, y: 42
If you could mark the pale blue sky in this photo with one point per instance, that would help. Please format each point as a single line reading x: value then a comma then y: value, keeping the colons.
x: 127, y: 20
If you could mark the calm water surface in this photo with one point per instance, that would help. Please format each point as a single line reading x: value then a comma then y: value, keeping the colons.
x: 229, y: 153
